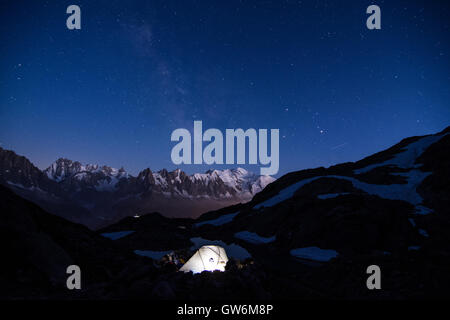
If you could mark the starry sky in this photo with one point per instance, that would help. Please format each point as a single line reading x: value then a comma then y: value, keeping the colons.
x: 113, y: 92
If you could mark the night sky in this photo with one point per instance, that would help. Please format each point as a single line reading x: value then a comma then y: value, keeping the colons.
x: 113, y: 92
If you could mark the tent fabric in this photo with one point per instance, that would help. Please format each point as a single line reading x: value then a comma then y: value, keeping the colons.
x: 207, y: 258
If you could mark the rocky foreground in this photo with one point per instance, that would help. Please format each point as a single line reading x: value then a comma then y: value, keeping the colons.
x: 310, y: 234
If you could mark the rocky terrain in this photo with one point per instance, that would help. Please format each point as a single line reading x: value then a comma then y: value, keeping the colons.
x: 310, y: 234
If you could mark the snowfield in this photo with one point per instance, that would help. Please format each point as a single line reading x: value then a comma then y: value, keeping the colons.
x: 406, y: 192
x: 284, y: 194
x: 407, y: 157
x: 254, y: 238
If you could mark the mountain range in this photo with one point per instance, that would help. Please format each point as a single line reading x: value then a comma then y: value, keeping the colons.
x: 98, y: 195
x: 311, y: 234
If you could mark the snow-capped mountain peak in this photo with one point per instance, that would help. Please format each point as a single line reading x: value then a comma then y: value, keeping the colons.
x: 62, y: 169
x: 102, y: 178
x: 229, y: 183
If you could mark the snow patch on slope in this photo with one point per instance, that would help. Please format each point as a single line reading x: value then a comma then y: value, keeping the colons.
x: 406, y: 192
x: 406, y: 158
x: 284, y: 194
x: 253, y: 237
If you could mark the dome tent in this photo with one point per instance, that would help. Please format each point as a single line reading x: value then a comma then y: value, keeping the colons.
x: 207, y: 258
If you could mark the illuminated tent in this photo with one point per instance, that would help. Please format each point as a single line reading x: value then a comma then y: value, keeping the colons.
x: 207, y: 258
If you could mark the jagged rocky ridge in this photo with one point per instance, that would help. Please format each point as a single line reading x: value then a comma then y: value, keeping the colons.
x: 214, y: 184
x: 313, y: 233
x: 98, y: 195
x: 310, y: 234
